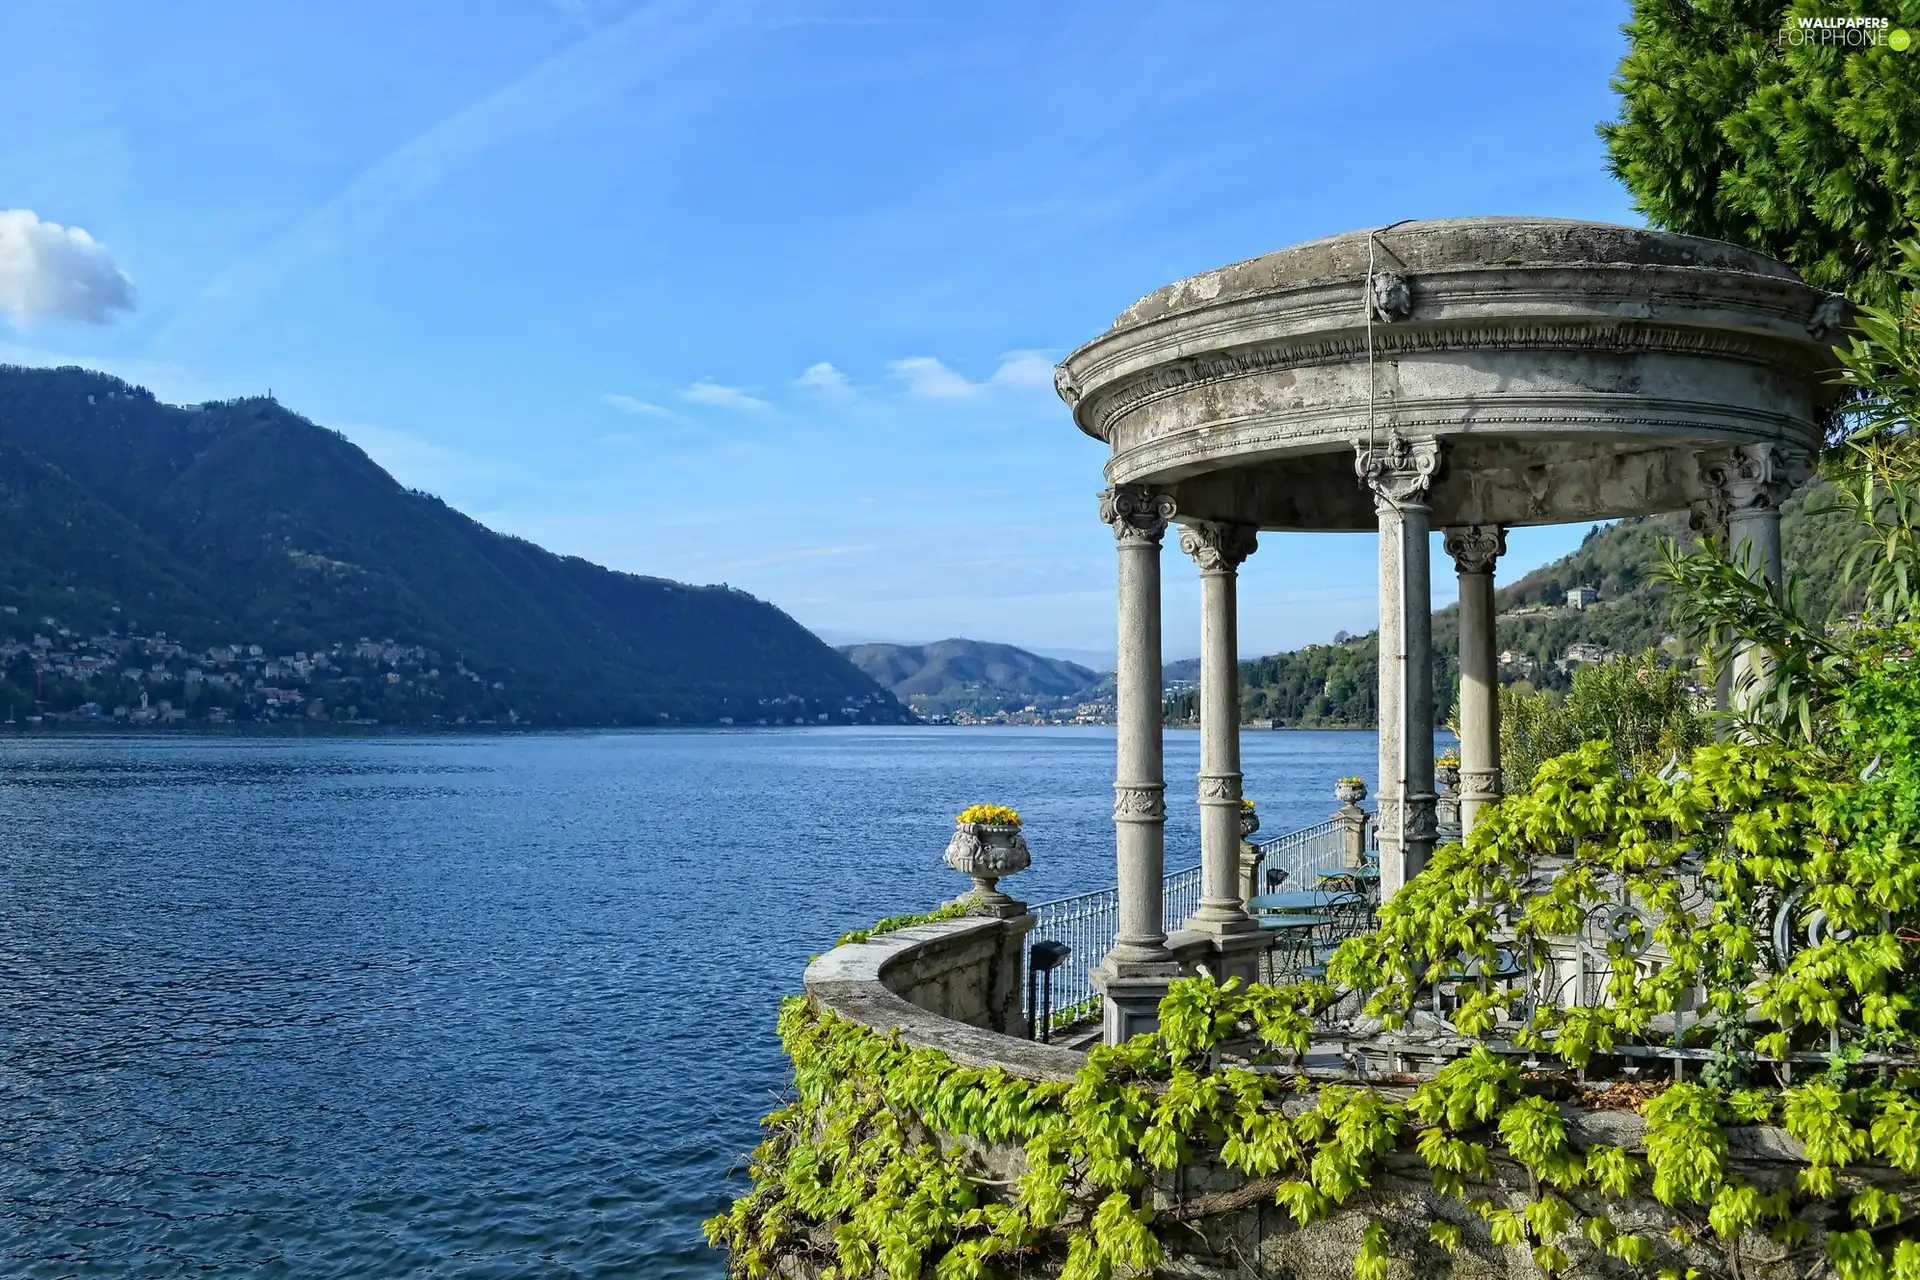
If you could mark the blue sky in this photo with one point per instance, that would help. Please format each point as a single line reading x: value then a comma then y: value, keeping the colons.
x: 757, y: 293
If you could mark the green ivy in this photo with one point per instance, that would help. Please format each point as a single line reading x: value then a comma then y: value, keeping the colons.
x: 870, y: 1169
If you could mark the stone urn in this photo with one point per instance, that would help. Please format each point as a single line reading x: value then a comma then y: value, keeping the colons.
x: 1350, y: 790
x: 988, y: 851
x: 1249, y: 822
x: 1447, y: 774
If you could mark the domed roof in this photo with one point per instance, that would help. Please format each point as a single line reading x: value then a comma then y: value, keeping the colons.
x: 1449, y: 244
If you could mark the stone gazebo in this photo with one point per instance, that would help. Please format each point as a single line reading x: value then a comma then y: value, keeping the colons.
x: 1468, y: 375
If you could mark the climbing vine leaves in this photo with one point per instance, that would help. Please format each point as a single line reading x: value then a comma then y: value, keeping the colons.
x: 883, y: 1161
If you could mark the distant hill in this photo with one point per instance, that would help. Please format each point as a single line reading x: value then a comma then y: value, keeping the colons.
x: 1336, y: 685
x: 163, y: 532
x: 972, y: 675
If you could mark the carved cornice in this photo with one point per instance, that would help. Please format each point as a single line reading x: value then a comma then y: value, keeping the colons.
x: 1475, y: 547
x: 1752, y: 477
x: 1220, y: 788
x: 1127, y: 394
x: 1398, y: 470
x: 1216, y: 547
x: 1136, y: 512
x: 1144, y: 803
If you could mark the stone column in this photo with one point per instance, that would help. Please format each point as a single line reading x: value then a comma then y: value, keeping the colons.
x: 1399, y: 472
x: 1135, y: 974
x: 1746, y: 486
x: 1474, y: 549
x: 1219, y: 550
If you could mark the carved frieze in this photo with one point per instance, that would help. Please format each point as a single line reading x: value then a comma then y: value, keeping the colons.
x: 1220, y: 787
x: 1113, y: 402
x: 1216, y: 547
x: 1140, y: 803
x: 1480, y: 784
x: 1475, y: 547
x: 1136, y: 512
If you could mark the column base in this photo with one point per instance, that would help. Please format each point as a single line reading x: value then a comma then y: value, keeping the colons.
x: 1237, y: 955
x: 1132, y: 998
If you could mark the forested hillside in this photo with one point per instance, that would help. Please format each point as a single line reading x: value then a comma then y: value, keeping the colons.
x: 1337, y: 684
x: 972, y: 675
x: 137, y: 538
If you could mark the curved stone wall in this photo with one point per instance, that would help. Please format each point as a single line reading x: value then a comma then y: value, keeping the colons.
x: 952, y: 986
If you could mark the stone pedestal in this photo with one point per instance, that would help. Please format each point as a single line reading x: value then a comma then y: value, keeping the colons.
x: 1400, y: 471
x: 1475, y: 550
x: 1139, y: 964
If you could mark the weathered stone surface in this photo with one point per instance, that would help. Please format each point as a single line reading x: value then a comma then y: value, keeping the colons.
x: 1572, y: 371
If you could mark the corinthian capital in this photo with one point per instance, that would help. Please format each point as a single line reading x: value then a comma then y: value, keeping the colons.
x: 1475, y: 547
x: 1216, y: 547
x: 1751, y: 477
x: 1137, y: 513
x: 1399, y: 470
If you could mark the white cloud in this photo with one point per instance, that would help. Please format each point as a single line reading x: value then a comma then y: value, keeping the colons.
x: 724, y: 397
x: 1024, y: 369
x: 51, y: 272
x: 927, y: 377
x: 824, y: 380
x: 633, y: 405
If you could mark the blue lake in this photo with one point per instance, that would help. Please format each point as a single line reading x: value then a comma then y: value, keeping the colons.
x: 469, y: 1006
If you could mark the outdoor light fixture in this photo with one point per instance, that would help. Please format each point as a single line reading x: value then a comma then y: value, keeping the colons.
x: 1042, y: 959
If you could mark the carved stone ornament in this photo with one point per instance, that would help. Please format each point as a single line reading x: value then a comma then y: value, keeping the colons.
x: 1140, y: 802
x: 1475, y: 547
x: 1754, y: 476
x: 1708, y: 517
x: 1399, y: 471
x: 1065, y: 387
x: 1221, y: 787
x: 988, y: 851
x: 1422, y: 821
x: 1218, y: 548
x: 1388, y: 297
x: 980, y: 850
x: 1480, y: 784
x: 1829, y: 316
x: 1137, y: 513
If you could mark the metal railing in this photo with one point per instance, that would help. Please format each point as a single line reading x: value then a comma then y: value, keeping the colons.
x: 1305, y: 855
x: 1088, y: 922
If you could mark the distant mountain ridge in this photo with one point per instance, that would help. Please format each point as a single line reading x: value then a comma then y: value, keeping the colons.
x: 244, y: 522
x: 972, y: 675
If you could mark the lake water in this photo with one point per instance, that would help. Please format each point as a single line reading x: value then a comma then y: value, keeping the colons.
x: 468, y: 1006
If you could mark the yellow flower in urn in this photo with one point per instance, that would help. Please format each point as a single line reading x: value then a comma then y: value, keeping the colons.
x: 988, y: 815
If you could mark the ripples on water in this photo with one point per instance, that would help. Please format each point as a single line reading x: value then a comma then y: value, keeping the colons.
x: 467, y: 1006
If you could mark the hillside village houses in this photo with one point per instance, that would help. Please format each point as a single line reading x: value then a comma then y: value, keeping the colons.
x: 148, y: 679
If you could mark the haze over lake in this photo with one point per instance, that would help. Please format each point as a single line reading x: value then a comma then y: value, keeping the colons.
x: 466, y: 1005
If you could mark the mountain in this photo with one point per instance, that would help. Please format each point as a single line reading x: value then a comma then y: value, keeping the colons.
x: 972, y: 676
x: 135, y: 530
x: 1336, y: 685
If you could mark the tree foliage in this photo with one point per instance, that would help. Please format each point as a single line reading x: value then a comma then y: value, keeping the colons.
x: 1799, y: 149
x: 1640, y: 705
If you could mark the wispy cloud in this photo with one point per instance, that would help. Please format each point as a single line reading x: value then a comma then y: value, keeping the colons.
x: 634, y: 405
x: 930, y: 378
x: 51, y: 272
x: 590, y: 72
x: 723, y: 397
x: 824, y: 380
